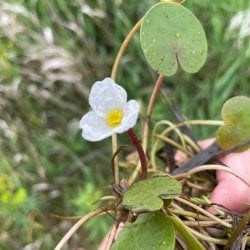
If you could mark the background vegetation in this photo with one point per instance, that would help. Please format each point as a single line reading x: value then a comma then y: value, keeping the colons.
x: 51, y: 51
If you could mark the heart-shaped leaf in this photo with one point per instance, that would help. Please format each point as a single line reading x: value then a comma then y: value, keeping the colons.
x: 148, y: 195
x: 149, y: 231
x: 171, y: 35
x: 236, y: 129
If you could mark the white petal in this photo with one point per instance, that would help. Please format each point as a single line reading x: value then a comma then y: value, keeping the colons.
x: 131, y: 113
x: 94, y: 127
x: 106, y: 95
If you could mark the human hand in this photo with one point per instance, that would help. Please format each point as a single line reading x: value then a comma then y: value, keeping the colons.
x: 231, y: 192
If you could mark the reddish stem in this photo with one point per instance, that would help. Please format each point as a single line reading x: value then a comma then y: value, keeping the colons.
x: 136, y: 142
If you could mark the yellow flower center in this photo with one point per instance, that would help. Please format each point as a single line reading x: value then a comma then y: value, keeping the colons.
x: 114, y: 117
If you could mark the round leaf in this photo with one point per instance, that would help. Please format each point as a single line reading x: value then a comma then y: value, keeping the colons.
x: 147, y: 195
x: 149, y: 231
x: 236, y: 129
x: 171, y: 35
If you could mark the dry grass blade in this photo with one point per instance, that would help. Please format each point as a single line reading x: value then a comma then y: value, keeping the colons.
x: 76, y: 226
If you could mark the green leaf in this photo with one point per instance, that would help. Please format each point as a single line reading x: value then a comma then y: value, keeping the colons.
x: 236, y: 129
x: 149, y: 231
x: 190, y: 241
x: 147, y: 195
x: 171, y: 35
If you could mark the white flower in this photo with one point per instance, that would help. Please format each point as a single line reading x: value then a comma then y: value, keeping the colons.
x: 110, y: 114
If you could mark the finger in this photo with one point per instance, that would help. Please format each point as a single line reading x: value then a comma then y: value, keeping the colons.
x: 231, y: 192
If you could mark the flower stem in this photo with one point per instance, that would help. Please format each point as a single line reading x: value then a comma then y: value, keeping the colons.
x: 154, y: 95
x: 123, y: 48
x: 143, y: 160
x: 113, y: 76
x: 116, y: 163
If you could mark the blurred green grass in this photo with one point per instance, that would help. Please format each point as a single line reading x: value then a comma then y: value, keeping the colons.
x: 51, y: 51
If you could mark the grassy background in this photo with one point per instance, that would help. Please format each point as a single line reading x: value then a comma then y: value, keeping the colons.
x: 51, y: 51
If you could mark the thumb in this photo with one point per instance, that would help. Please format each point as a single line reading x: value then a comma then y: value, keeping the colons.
x: 231, y: 192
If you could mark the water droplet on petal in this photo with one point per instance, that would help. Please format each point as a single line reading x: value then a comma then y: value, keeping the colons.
x: 154, y: 40
x: 145, y: 50
x: 193, y: 52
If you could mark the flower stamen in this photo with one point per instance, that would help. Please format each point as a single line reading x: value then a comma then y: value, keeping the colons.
x: 114, y: 117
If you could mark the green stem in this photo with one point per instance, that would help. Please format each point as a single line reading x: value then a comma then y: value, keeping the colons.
x: 113, y: 76
x: 123, y: 48
x: 115, y: 160
x: 154, y: 95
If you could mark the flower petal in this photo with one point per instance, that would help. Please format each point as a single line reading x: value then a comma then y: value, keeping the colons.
x: 94, y: 128
x: 106, y: 95
x: 131, y: 113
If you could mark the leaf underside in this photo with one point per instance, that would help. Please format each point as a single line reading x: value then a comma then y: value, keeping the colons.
x: 236, y: 129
